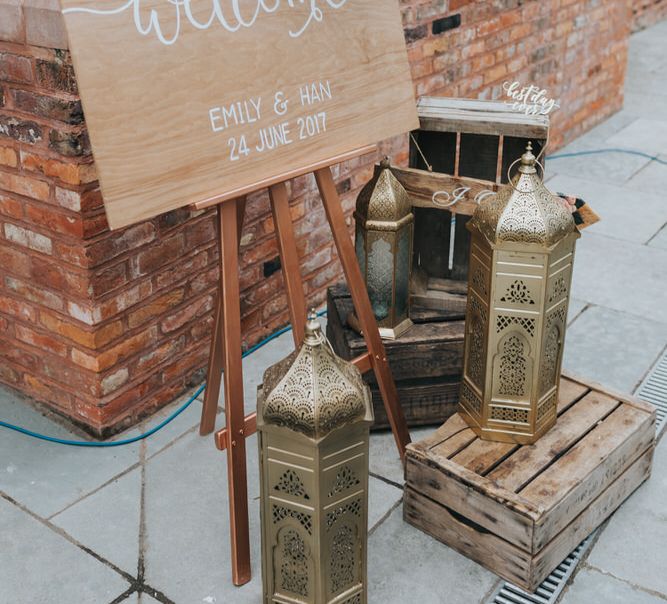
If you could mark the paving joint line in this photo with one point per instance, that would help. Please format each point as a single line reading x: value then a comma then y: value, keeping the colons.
x: 385, y: 516
x: 111, y: 480
x: 133, y: 581
x: 652, y: 237
x: 387, y: 480
x: 635, y: 586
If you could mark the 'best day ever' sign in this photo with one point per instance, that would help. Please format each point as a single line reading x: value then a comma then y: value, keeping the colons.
x: 187, y: 100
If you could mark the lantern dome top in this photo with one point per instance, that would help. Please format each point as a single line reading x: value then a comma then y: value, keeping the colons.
x: 383, y: 199
x: 313, y: 391
x: 524, y: 211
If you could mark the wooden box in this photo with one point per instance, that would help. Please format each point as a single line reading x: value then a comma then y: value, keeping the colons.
x: 427, y: 362
x: 474, y: 143
x: 520, y: 510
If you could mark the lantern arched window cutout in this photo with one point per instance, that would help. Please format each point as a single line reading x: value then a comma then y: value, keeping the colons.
x: 313, y: 419
x: 383, y: 242
x: 521, y: 257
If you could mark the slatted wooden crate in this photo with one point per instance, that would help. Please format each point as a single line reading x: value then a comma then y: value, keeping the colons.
x: 473, y: 143
x: 426, y: 362
x: 520, y: 510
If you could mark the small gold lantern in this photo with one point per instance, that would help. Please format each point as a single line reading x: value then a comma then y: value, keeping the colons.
x: 521, y: 256
x: 314, y: 414
x: 383, y: 241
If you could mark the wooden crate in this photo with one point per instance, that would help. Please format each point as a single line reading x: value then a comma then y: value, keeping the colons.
x: 520, y: 510
x: 427, y: 362
x: 473, y: 143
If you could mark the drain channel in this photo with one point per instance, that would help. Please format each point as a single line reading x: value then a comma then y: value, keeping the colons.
x: 654, y: 390
x: 551, y: 587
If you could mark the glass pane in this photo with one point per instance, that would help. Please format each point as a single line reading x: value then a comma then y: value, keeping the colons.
x: 380, y: 275
x: 402, y: 274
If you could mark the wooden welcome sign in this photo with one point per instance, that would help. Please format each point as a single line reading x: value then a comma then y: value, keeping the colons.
x: 194, y: 100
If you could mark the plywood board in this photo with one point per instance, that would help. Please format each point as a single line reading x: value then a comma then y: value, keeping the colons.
x: 197, y: 99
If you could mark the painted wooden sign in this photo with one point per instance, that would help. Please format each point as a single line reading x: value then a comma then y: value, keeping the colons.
x: 188, y: 100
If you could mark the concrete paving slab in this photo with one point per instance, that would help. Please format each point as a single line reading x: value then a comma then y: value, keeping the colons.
x: 652, y: 178
x: 187, y: 554
x: 632, y: 546
x: 614, y: 168
x: 623, y: 276
x: 38, y: 565
x: 647, y: 103
x: 644, y: 134
x: 406, y: 565
x: 107, y: 521
x: 612, y: 347
x: 625, y: 214
x: 601, y: 132
x: 592, y: 586
x: 47, y: 477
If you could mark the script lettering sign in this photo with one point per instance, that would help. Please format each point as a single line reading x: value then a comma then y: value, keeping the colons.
x: 189, y: 100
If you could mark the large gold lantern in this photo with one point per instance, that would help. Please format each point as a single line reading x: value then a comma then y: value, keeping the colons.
x: 383, y: 240
x: 313, y: 418
x: 521, y: 256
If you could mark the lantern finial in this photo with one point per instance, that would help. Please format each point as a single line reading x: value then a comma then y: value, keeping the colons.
x: 528, y: 161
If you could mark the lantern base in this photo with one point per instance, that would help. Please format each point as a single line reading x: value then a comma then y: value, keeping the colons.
x: 507, y: 434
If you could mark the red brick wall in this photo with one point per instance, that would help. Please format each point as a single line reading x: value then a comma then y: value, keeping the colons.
x: 106, y: 327
x: 647, y: 12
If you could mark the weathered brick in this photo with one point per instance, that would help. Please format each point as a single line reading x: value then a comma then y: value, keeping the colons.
x: 185, y: 315
x: 108, y: 358
x: 25, y: 185
x: 61, y: 223
x: 8, y: 157
x: 67, y: 172
x: 57, y: 74
x: 81, y: 334
x: 35, y: 294
x: 15, y: 68
x: 17, y: 308
x: 68, y: 111
x: 40, y: 340
x: 10, y: 207
x: 155, y: 308
x: 69, y: 143
x: 24, y: 131
x: 27, y: 238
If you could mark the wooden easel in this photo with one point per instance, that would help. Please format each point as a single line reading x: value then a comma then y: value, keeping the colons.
x: 226, y: 342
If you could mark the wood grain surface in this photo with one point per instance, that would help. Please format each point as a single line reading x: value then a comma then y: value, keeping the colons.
x: 189, y: 101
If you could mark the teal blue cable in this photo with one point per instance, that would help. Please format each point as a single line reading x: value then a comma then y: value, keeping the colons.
x: 654, y: 158
x: 162, y: 424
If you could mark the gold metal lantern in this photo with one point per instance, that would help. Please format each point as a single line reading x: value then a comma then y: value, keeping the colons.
x: 522, y: 251
x: 383, y: 241
x: 313, y: 418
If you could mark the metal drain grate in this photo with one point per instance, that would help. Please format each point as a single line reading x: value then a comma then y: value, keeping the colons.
x: 551, y: 587
x: 654, y: 390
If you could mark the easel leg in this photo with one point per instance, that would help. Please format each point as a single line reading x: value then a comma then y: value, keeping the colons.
x: 233, y: 379
x: 289, y: 259
x: 362, y: 305
x: 215, y: 359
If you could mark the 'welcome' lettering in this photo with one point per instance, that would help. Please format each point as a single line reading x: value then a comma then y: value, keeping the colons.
x: 229, y: 16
